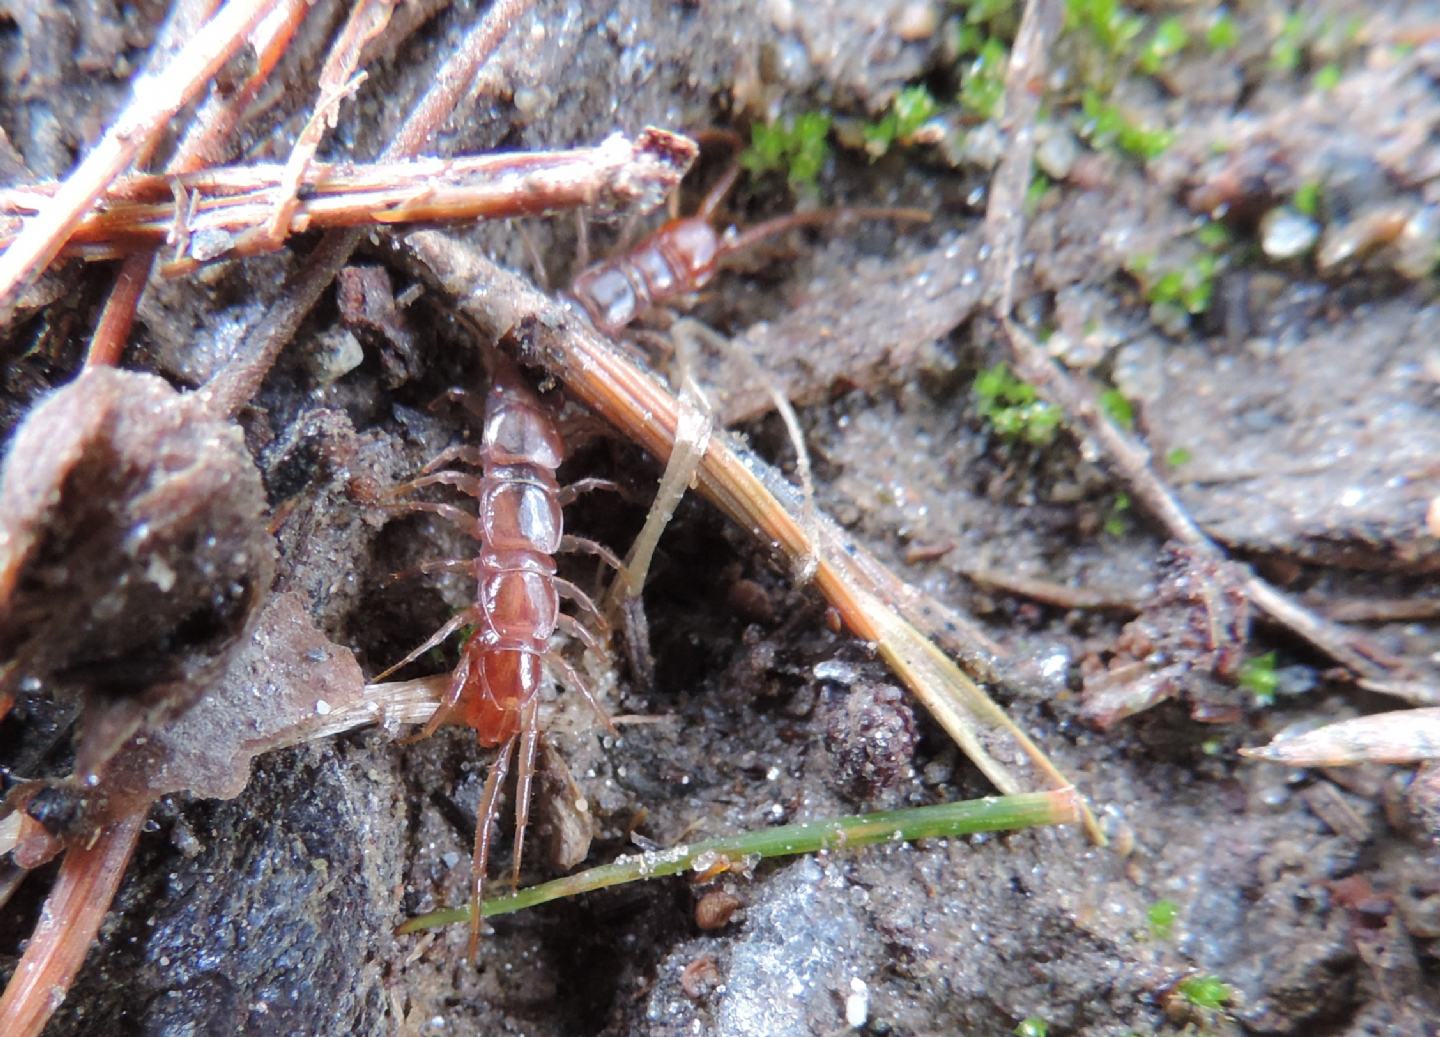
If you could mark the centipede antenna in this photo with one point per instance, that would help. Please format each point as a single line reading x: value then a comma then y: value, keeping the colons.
x: 718, y: 191
x: 751, y: 236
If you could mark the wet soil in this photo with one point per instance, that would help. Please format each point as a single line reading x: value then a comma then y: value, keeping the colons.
x: 1298, y: 412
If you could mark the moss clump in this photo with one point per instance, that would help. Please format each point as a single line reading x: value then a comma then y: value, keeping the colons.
x: 982, y: 83
x: 1117, y: 408
x: 797, y: 147
x: 1222, y: 33
x: 1111, y: 24
x: 1013, y: 408
x: 1206, y: 992
x: 1107, y: 126
x: 1183, y: 286
x: 1257, y: 675
x: 1117, y: 518
x: 912, y: 108
x: 1161, y: 917
x: 1168, y: 40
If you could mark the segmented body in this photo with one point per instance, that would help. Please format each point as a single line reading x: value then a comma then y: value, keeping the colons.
x: 516, y: 612
x: 519, y: 526
x: 684, y: 254
x: 681, y: 257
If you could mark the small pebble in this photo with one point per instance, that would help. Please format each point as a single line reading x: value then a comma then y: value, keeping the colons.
x: 1287, y: 234
x: 917, y: 21
x: 1056, y: 152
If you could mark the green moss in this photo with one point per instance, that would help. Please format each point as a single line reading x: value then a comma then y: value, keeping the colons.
x: 1033, y: 1026
x: 1257, y: 675
x: 1040, y: 186
x: 1108, y: 22
x: 1106, y: 126
x: 1177, y: 457
x: 982, y: 83
x: 1287, y: 50
x: 1168, y: 40
x: 911, y: 109
x: 1117, y: 408
x: 1116, y: 523
x: 1213, y: 235
x: 1185, y: 284
x: 985, y: 19
x: 1161, y: 917
x: 1207, y: 992
x: 1013, y: 408
x: 1327, y: 77
x: 1223, y: 33
x: 1307, y: 199
x: 796, y: 147
x: 1188, y: 288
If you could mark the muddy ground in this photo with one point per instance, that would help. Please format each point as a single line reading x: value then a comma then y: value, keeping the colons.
x: 1303, y: 397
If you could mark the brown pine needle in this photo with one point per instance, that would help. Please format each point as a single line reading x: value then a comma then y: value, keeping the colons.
x: 201, y: 144
x: 338, y: 80
x: 155, y: 103
x: 88, y: 879
x: 231, y: 207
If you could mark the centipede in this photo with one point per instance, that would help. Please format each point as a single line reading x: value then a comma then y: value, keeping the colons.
x: 519, y: 528
x: 684, y: 255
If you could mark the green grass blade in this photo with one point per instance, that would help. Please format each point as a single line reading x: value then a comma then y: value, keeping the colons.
x: 992, y: 814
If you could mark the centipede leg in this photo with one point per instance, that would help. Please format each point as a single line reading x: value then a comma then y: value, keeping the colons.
x: 580, y: 632
x: 466, y: 452
x: 447, y: 704
x: 485, y: 815
x: 446, y: 565
x: 524, y: 776
x: 439, y: 637
x: 583, y: 545
x: 569, y: 493
x: 568, y: 590
x: 570, y: 677
x: 449, y: 512
x: 463, y: 481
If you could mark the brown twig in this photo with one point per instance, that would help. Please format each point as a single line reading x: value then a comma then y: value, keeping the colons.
x: 88, y: 879
x: 1381, y: 610
x: 233, y: 386
x: 337, y: 81
x: 201, y: 144
x: 149, y: 111
x: 227, y: 211
x: 1058, y: 595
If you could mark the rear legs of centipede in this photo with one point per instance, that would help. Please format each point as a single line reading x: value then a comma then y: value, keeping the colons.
x: 517, y: 527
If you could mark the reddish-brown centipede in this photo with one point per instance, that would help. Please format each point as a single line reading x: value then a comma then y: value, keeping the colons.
x: 685, y: 253
x: 516, y: 610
